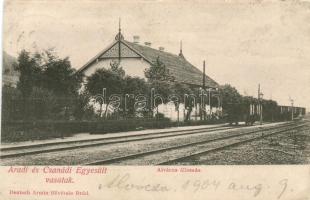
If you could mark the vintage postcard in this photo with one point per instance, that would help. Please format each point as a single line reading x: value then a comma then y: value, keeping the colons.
x: 154, y: 99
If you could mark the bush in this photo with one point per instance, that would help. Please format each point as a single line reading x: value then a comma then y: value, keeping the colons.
x: 37, y: 130
x: 11, y: 104
x: 130, y: 125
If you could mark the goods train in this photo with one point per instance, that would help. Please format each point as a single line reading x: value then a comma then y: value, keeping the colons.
x: 250, y: 111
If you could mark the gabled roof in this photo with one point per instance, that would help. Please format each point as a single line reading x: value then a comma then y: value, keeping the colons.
x: 178, y: 66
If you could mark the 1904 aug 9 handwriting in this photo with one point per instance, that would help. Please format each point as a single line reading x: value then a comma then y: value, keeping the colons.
x: 124, y: 182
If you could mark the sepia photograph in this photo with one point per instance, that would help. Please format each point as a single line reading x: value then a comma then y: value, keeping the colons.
x: 155, y: 83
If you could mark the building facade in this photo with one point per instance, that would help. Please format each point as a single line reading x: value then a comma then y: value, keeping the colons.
x: 135, y: 58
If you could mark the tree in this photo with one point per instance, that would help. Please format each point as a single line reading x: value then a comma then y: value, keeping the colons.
x: 49, y: 74
x: 134, y: 86
x: 57, y: 74
x: 29, y: 73
x: 231, y: 103
x: 60, y: 78
x: 229, y: 95
x: 11, y: 104
x: 164, y: 83
x: 160, y: 79
x: 82, y: 109
x: 158, y: 72
x: 115, y: 81
x: 104, y: 78
x: 42, y: 104
x: 269, y: 109
x: 115, y: 67
x: 29, y: 70
x: 181, y: 89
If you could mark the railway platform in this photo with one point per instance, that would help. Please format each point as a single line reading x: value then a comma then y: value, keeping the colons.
x: 134, y: 146
x: 87, y: 136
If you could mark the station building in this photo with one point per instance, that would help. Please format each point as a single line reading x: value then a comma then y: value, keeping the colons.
x: 135, y: 57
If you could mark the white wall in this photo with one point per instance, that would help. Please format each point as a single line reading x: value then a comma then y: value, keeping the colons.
x: 132, y: 66
x: 135, y: 67
x: 169, y: 111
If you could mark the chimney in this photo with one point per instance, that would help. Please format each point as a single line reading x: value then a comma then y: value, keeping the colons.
x: 161, y: 48
x: 136, y: 39
x: 147, y: 44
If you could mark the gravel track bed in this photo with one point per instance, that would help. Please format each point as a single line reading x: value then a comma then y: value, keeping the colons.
x: 154, y: 159
x: 91, y: 154
x: 292, y: 147
x: 106, y: 140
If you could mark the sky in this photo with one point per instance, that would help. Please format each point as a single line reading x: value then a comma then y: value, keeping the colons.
x: 244, y: 43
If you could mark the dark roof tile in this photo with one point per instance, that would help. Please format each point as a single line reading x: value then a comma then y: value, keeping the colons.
x: 180, y: 68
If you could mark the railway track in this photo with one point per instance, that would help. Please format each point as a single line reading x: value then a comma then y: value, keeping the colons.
x: 17, y: 151
x: 175, y: 160
x: 154, y: 156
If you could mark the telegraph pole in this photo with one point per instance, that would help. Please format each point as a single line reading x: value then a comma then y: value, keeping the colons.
x: 292, y: 108
x: 260, y: 96
x: 204, y: 75
x: 209, y: 95
x: 119, y: 40
x: 203, y: 89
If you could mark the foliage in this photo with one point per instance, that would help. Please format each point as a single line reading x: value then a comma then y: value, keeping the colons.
x: 158, y: 72
x: 48, y: 90
x: 59, y: 77
x: 116, y: 81
x: 269, y: 110
x: 41, y: 104
x: 11, y: 103
x: 115, y: 67
x: 21, y: 130
x: 230, y: 96
x: 160, y: 79
x: 82, y: 109
x: 180, y: 89
x: 48, y: 84
x: 29, y: 73
x: 133, y: 86
x: 104, y: 78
